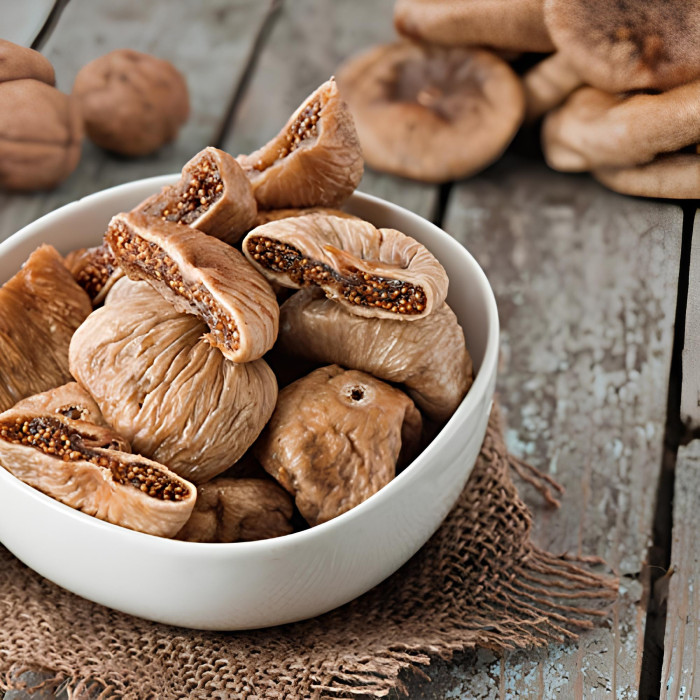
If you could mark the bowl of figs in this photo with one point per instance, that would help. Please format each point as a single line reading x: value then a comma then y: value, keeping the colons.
x: 239, y: 395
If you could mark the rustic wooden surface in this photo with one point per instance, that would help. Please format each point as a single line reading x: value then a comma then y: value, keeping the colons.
x: 586, y: 282
x: 690, y: 396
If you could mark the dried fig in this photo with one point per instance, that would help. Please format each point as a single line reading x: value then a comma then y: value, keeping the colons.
x: 315, y: 160
x: 372, y: 272
x: 238, y: 510
x: 199, y: 275
x: 213, y: 195
x: 95, y: 270
x: 514, y: 25
x: 594, y: 130
x: 429, y: 356
x: 267, y: 215
x: 41, y: 132
x: 40, y: 308
x: 163, y: 387
x: 335, y: 439
x: 548, y: 84
x: 619, y: 46
x: 19, y: 63
x: 430, y: 113
x: 675, y: 176
x: 84, y: 465
x: 132, y: 103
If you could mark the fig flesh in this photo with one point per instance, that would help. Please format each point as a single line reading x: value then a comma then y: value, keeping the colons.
x: 372, y: 272
x: 314, y: 161
x: 199, y: 275
x: 95, y: 270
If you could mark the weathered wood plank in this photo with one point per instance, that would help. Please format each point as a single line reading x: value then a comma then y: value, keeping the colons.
x: 680, y: 677
x: 690, y: 390
x: 22, y: 21
x: 209, y: 43
x: 586, y: 285
x: 309, y: 41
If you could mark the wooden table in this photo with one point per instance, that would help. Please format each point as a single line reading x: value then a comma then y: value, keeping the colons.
x: 599, y: 298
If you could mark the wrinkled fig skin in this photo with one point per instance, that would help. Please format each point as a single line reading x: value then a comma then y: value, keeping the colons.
x: 430, y: 113
x: 41, y: 132
x: 238, y: 510
x: 429, y: 357
x: 593, y: 129
x: 335, y: 439
x: 19, y: 63
x: 199, y: 275
x: 548, y: 84
x: 372, y: 272
x: 620, y: 46
x: 85, y: 466
x: 267, y: 215
x: 40, y: 308
x: 95, y: 270
x: 314, y: 161
x: 161, y: 385
x: 514, y: 25
x: 213, y: 195
x: 132, y: 103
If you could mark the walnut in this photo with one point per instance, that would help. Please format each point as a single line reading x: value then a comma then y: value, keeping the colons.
x: 40, y: 135
x: 132, y: 103
x: 18, y: 62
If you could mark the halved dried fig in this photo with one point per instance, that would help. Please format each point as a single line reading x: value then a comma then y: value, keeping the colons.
x: 161, y: 385
x: 199, y: 275
x: 515, y: 25
x: 335, y: 439
x: 238, y: 510
x: 373, y: 272
x: 429, y: 356
x: 18, y: 62
x: 95, y: 270
x: 675, y: 176
x: 430, y: 113
x: 213, y: 195
x: 315, y: 160
x: 594, y: 129
x: 619, y: 46
x: 84, y: 466
x: 40, y: 308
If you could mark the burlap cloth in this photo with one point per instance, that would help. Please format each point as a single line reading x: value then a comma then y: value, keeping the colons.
x: 478, y: 582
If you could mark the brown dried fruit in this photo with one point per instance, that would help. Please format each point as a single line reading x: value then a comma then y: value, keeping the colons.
x: 161, y: 385
x: 267, y: 215
x: 213, y: 195
x: 616, y: 45
x: 199, y: 275
x: 675, y: 176
x: 548, y: 84
x: 515, y: 25
x: 372, y: 272
x: 238, y: 510
x: 40, y: 308
x: 133, y: 103
x: 429, y: 356
x: 19, y: 63
x: 95, y: 270
x: 84, y: 466
x: 595, y: 130
x: 430, y: 113
x: 315, y: 160
x: 41, y: 131
x: 335, y: 439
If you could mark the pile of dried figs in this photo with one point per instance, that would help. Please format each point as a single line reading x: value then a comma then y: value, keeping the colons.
x: 618, y: 83
x: 139, y: 380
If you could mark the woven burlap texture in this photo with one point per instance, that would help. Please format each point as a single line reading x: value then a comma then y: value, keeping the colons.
x: 478, y: 582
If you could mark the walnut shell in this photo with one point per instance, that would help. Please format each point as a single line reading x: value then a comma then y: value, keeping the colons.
x: 133, y: 103
x: 41, y: 131
x: 18, y: 62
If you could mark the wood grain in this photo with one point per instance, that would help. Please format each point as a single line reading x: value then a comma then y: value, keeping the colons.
x: 680, y: 677
x: 308, y: 42
x: 586, y: 285
x: 690, y: 390
x: 208, y: 42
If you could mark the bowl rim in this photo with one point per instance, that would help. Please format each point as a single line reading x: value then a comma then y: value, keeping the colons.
x: 467, y: 407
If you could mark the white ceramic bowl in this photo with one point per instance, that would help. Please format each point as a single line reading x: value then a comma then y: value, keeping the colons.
x: 256, y: 584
